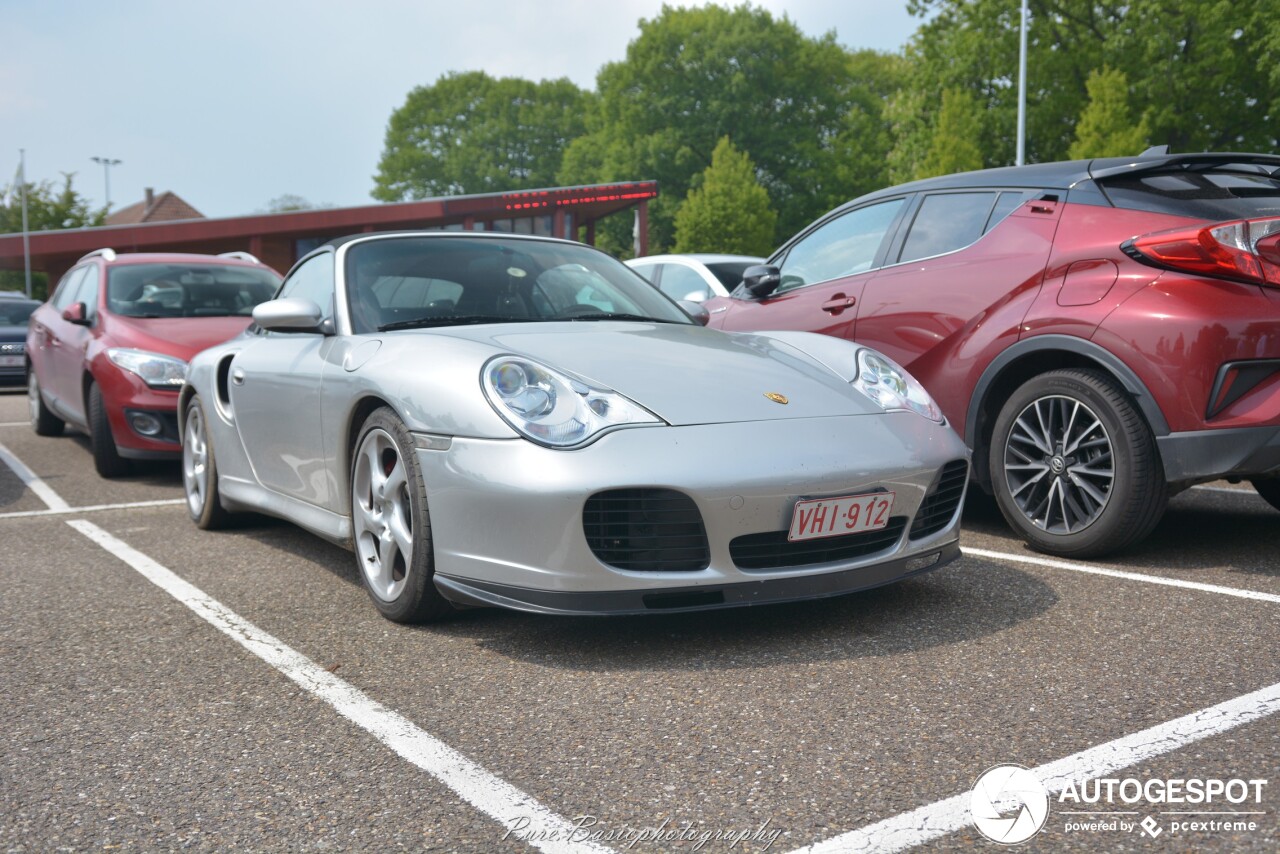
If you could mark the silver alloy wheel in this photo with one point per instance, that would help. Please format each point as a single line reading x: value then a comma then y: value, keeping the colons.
x: 195, y: 462
x: 33, y: 397
x: 382, y: 515
x: 1059, y: 464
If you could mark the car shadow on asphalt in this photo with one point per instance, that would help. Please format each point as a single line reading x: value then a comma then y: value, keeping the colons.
x: 969, y: 599
x: 1201, y: 530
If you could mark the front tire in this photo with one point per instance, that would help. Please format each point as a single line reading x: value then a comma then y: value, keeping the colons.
x: 1269, y: 490
x: 200, y: 471
x: 43, y: 421
x: 390, y: 523
x: 106, y: 459
x: 1075, y: 467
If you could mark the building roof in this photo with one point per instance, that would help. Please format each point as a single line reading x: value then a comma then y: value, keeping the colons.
x: 166, y: 207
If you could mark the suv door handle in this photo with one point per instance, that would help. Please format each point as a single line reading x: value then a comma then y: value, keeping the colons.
x: 838, y: 303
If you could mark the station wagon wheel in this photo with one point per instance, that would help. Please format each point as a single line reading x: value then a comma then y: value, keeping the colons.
x: 390, y: 525
x: 200, y: 471
x: 43, y: 421
x: 1074, y: 466
x: 106, y: 459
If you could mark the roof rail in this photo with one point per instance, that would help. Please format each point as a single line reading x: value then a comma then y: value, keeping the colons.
x: 106, y: 253
x: 240, y: 256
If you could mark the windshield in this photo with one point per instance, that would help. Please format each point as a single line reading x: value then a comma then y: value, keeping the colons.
x: 15, y: 312
x: 188, y: 290
x: 407, y: 282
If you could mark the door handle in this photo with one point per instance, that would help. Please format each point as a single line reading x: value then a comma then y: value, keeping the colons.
x: 237, y: 376
x: 838, y: 303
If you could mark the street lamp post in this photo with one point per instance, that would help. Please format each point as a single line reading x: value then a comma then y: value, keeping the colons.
x: 107, y: 163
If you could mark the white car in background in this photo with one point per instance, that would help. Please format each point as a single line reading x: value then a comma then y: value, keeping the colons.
x: 695, y: 277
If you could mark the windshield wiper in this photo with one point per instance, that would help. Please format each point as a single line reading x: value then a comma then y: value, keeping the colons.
x: 611, y: 316
x: 455, y: 320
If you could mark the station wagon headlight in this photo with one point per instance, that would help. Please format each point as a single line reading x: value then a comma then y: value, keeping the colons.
x: 890, y: 386
x: 156, y: 369
x: 552, y: 409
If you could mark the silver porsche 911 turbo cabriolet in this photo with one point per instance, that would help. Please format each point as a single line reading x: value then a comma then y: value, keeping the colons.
x: 497, y: 420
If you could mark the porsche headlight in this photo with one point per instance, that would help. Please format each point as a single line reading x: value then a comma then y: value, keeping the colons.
x: 552, y: 409
x: 156, y: 369
x: 890, y: 386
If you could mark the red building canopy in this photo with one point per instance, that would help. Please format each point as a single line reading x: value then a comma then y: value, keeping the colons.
x: 279, y: 239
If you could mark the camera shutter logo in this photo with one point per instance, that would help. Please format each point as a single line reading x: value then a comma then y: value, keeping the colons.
x: 1009, y: 804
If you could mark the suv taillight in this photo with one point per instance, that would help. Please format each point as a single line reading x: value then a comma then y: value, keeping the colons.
x: 1246, y: 250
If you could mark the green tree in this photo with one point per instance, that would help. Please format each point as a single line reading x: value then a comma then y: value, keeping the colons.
x: 1200, y: 70
x: 292, y: 202
x: 729, y: 211
x: 695, y: 75
x: 48, y: 207
x: 956, y: 145
x: 1106, y: 127
x: 471, y: 133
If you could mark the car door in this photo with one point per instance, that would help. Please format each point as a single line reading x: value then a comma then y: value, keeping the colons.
x: 64, y: 344
x: 956, y: 285
x: 276, y: 394
x: 823, y: 275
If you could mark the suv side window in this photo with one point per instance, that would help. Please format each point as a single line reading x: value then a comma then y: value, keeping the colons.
x: 67, y: 288
x: 840, y: 247
x: 1008, y: 202
x: 947, y: 222
x: 87, y: 293
x: 313, y: 281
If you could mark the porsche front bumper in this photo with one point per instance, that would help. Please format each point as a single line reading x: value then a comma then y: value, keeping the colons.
x: 507, y: 515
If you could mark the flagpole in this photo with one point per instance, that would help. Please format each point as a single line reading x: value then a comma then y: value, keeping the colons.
x: 26, y: 238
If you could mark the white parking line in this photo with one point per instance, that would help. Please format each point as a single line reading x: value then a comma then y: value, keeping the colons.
x: 938, y: 819
x: 1128, y: 576
x: 15, y: 423
x: 496, y: 798
x: 50, y: 498
x: 93, y: 508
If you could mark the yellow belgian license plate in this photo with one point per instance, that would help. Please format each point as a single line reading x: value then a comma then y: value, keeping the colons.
x: 834, y: 517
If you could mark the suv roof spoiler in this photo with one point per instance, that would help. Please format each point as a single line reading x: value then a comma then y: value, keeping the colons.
x: 106, y: 253
x: 1158, y: 159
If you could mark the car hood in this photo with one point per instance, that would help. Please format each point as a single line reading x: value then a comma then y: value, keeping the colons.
x: 13, y: 333
x: 684, y: 374
x: 182, y: 337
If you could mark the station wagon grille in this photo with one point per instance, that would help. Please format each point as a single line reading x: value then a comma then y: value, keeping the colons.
x: 646, y: 530
x: 772, y: 551
x: 941, y: 501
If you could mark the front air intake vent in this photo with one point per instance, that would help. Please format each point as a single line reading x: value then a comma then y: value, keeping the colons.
x: 646, y: 530
x: 940, y: 503
x: 772, y: 550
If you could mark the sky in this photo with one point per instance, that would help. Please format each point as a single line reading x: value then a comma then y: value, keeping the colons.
x: 232, y: 104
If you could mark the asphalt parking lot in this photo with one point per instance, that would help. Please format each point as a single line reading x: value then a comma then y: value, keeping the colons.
x: 173, y: 688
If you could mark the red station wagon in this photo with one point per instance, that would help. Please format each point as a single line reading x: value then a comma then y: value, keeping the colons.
x: 108, y: 352
x: 1103, y: 333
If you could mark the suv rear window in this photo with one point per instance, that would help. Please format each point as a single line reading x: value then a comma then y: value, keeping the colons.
x: 1210, y: 194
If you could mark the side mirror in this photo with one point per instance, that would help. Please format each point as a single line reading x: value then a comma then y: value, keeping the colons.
x: 291, y: 314
x: 761, y: 280
x: 75, y: 313
x: 696, y: 310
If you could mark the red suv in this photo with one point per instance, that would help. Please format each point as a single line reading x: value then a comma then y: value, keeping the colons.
x: 1103, y: 333
x: 108, y: 352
